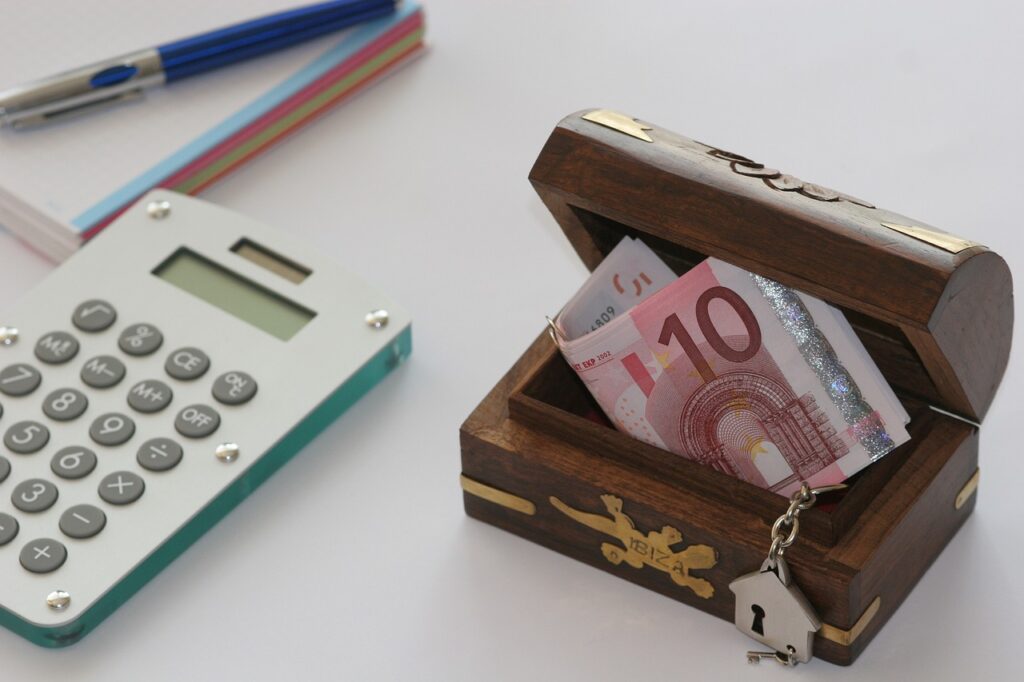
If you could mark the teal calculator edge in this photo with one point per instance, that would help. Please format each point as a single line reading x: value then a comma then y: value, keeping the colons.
x: 380, y: 364
x: 347, y: 395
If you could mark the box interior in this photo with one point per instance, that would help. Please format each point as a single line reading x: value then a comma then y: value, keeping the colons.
x: 554, y: 399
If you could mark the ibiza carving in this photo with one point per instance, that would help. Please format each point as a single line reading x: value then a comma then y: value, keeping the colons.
x: 654, y: 549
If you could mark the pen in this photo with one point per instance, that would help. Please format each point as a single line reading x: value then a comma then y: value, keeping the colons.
x: 122, y: 78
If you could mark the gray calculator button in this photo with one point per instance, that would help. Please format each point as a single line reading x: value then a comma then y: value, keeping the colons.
x: 73, y: 462
x: 56, y: 348
x: 82, y: 521
x: 103, y: 371
x: 187, y: 364
x: 112, y: 428
x: 26, y: 437
x: 34, y: 495
x: 140, y: 339
x: 5, y: 469
x: 234, y: 388
x: 197, y: 421
x: 19, y: 379
x: 8, y: 528
x: 65, y: 404
x: 150, y: 396
x: 43, y: 556
x: 121, y: 487
x: 94, y: 315
x: 159, y: 454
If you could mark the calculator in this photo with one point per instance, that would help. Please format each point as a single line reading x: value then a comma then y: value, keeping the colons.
x: 151, y: 383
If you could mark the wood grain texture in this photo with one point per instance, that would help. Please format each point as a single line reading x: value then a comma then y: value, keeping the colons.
x: 887, y: 546
x: 938, y: 325
x: 685, y: 194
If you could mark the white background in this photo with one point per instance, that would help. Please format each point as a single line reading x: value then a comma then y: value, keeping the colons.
x: 356, y: 561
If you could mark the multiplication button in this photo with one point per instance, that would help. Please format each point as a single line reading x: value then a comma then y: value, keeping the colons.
x: 103, y: 371
x: 19, y: 379
x: 234, y: 388
x: 34, y: 495
x: 93, y: 316
x: 73, y: 462
x: 112, y: 429
x: 197, y: 421
x: 43, y: 556
x: 65, y: 404
x: 8, y: 528
x: 140, y: 339
x: 159, y: 454
x: 149, y: 396
x: 26, y: 437
x: 121, y: 487
x: 82, y: 521
x: 56, y: 348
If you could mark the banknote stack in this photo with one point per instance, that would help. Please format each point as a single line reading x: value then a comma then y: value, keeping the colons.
x: 729, y: 369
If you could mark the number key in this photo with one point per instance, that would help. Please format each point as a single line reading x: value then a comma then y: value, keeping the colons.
x: 8, y: 528
x: 26, y: 437
x: 19, y: 379
x: 65, y: 404
x: 34, y: 495
x: 73, y: 462
x: 112, y: 429
x: 5, y: 469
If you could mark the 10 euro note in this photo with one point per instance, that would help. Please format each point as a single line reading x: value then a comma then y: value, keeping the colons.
x: 739, y: 373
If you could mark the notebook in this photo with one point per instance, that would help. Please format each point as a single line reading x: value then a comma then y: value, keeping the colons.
x: 62, y: 183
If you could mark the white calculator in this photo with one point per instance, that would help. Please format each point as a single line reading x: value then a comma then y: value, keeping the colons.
x: 150, y: 384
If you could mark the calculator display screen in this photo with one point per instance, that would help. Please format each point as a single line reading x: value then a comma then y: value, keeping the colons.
x: 234, y: 294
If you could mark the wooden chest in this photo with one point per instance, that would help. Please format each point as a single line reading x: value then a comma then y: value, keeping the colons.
x: 934, y: 311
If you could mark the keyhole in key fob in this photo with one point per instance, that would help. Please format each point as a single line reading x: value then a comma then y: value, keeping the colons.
x: 758, y: 625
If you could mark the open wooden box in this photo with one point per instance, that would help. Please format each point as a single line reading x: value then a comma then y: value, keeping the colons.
x: 934, y: 311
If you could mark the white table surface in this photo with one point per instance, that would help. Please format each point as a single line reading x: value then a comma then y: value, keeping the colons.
x: 356, y: 562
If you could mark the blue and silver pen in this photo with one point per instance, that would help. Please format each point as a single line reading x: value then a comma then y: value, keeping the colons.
x: 121, y: 78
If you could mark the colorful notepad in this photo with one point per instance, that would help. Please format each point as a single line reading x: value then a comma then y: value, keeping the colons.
x: 57, y: 225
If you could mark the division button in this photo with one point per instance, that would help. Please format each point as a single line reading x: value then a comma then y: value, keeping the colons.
x: 73, y: 462
x: 34, y: 495
x: 234, y: 388
x: 8, y: 528
x: 186, y: 364
x: 26, y: 437
x: 19, y: 379
x: 103, y: 371
x: 56, y: 348
x: 112, y: 428
x: 159, y: 454
x: 140, y: 339
x: 197, y: 421
x: 43, y: 556
x: 94, y: 315
x: 82, y: 521
x: 65, y: 404
x: 121, y: 487
x: 5, y: 469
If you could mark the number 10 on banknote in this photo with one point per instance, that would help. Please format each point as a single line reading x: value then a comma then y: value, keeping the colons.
x: 729, y: 369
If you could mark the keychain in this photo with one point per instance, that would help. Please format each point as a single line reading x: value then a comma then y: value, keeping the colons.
x: 769, y: 606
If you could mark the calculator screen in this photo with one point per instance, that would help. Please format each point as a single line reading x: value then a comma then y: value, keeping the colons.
x: 234, y: 294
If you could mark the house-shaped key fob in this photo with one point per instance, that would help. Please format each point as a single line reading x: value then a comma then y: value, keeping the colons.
x: 771, y: 609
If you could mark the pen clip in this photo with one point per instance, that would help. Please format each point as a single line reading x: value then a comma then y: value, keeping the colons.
x: 69, y: 109
x: 81, y: 90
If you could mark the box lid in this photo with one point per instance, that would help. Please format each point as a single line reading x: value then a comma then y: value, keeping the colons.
x: 935, y: 311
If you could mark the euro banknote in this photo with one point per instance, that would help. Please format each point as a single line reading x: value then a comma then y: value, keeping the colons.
x: 729, y: 369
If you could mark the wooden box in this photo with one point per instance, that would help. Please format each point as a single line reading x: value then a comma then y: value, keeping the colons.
x: 934, y: 311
